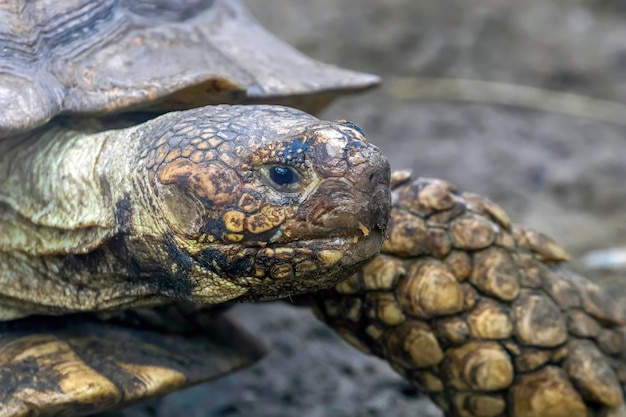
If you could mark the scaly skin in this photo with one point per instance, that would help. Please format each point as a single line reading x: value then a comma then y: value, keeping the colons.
x: 184, y: 207
x: 478, y: 314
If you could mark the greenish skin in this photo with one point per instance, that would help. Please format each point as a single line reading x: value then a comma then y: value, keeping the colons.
x: 184, y: 208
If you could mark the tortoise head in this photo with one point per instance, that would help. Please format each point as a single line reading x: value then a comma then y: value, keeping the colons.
x: 266, y: 201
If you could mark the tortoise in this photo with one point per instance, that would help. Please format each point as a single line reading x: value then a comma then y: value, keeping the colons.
x: 122, y: 238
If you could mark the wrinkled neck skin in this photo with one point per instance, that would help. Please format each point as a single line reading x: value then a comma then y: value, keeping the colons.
x: 189, y: 206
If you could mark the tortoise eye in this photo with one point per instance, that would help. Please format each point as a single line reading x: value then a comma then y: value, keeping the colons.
x: 283, y: 176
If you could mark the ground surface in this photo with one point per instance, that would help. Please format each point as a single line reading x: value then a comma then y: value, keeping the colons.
x: 560, y: 174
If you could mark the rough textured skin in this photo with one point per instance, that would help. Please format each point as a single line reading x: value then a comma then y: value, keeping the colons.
x: 77, y: 365
x: 478, y: 314
x: 84, y: 56
x: 185, y: 207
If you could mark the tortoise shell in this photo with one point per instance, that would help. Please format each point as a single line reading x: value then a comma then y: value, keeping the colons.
x: 104, y: 56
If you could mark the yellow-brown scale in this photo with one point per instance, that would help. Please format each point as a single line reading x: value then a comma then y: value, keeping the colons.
x: 478, y: 314
x: 188, y: 206
x: 214, y: 185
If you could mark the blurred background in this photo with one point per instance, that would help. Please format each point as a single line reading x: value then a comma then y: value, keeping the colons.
x: 564, y: 175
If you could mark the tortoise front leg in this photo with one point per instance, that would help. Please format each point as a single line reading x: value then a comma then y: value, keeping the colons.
x: 477, y: 313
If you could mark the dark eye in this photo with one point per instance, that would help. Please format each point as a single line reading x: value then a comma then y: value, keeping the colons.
x: 283, y: 175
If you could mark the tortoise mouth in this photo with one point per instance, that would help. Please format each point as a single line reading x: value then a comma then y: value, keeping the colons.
x: 348, y: 240
x: 356, y: 244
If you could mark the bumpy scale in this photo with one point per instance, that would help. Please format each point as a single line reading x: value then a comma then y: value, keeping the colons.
x: 478, y: 314
x: 205, y: 205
